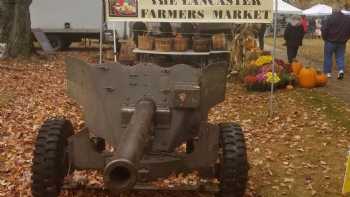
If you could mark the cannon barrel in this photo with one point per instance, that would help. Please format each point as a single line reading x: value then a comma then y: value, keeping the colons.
x: 121, y: 171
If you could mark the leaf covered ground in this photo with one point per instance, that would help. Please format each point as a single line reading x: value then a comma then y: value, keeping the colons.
x: 298, y: 152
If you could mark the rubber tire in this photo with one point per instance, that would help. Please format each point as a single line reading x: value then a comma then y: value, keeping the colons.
x: 233, y: 168
x: 66, y: 45
x: 56, y: 42
x: 50, y: 158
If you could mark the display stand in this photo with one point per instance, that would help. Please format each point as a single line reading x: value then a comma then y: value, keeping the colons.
x: 145, y: 53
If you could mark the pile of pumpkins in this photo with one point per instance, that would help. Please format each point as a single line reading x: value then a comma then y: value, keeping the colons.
x: 308, y: 77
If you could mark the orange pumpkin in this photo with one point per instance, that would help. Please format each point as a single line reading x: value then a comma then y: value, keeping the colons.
x: 307, y: 78
x: 296, y: 67
x: 321, y: 79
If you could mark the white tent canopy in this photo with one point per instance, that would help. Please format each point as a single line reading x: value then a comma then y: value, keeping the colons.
x: 346, y: 12
x: 318, y: 10
x: 285, y: 8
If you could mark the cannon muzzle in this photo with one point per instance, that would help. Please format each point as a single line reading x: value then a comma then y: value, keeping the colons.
x: 121, y: 171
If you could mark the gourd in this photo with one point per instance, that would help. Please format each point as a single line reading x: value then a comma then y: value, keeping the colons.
x: 307, y: 77
x: 250, y: 43
x: 296, y: 67
x: 290, y: 87
x: 321, y: 79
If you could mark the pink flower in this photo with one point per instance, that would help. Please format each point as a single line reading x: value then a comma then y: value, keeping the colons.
x: 261, y: 77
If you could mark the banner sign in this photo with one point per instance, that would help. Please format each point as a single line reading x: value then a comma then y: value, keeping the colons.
x: 191, y: 11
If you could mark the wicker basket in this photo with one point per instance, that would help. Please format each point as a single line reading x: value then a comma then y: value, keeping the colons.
x: 145, y: 42
x: 126, y: 55
x: 201, y: 44
x: 219, y: 41
x: 181, y: 43
x: 164, y: 44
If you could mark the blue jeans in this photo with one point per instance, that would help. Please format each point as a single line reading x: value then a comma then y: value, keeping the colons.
x: 338, y: 49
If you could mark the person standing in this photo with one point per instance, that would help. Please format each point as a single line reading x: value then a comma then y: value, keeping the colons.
x: 293, y: 36
x: 138, y: 29
x: 166, y: 30
x: 312, y: 27
x: 261, y: 36
x: 304, y: 23
x: 335, y: 33
x: 318, y: 28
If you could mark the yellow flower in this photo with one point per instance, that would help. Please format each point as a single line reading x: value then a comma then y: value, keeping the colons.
x: 272, y: 78
x: 262, y: 60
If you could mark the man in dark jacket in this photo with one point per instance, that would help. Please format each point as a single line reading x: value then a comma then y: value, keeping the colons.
x: 335, y: 33
x: 261, y: 36
x: 293, y: 36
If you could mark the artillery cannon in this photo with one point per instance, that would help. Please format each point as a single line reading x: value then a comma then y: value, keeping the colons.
x: 136, y: 117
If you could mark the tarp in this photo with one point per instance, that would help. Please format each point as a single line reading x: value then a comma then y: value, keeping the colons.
x: 318, y: 10
x: 285, y: 8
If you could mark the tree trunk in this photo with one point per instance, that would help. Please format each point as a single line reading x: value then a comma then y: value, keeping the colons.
x: 15, y: 27
x: 6, y: 16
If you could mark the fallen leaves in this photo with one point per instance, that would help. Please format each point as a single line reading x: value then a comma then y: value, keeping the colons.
x: 298, y: 152
x: 179, y: 180
x: 37, y: 90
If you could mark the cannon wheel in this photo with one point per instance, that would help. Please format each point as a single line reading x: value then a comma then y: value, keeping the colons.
x: 233, y: 169
x: 50, y: 158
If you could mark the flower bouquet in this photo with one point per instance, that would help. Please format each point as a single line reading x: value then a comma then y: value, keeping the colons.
x: 258, y: 75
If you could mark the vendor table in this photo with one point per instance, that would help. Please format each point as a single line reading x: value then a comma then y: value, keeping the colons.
x: 145, y: 54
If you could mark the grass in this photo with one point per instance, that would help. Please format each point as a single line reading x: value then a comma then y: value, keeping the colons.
x: 333, y: 108
x: 312, y: 49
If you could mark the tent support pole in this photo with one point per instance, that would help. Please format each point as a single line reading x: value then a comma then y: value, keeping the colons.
x: 271, y: 113
x: 114, y: 44
x: 101, y: 35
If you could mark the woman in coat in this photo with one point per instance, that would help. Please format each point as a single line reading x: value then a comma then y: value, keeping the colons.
x: 293, y: 36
